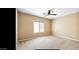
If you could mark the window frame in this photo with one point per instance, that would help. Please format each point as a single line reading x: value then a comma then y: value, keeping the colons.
x: 38, y: 27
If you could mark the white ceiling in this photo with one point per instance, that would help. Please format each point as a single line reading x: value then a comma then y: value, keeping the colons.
x: 39, y: 11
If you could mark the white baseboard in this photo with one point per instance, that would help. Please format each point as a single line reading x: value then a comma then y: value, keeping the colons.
x: 62, y: 36
x: 25, y: 39
x: 69, y: 38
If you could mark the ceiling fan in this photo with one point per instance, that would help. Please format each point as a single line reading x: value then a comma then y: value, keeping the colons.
x: 50, y: 12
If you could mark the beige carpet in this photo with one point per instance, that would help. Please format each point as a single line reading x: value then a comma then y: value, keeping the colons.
x: 49, y: 42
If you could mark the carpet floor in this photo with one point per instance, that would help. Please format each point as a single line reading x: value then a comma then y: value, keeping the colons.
x: 49, y: 43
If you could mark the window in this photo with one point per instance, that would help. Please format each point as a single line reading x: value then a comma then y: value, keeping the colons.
x: 38, y: 27
x: 41, y: 27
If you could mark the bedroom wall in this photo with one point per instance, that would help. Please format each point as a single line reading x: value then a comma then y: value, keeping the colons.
x: 25, y: 26
x: 78, y: 25
x: 67, y: 26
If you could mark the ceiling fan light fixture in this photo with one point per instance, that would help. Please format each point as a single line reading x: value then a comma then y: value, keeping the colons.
x: 50, y: 12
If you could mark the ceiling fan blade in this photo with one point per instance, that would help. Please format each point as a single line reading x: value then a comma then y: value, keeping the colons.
x: 53, y: 14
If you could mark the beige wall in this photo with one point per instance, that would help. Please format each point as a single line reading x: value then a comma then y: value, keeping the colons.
x: 25, y: 26
x: 78, y: 25
x: 67, y: 26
